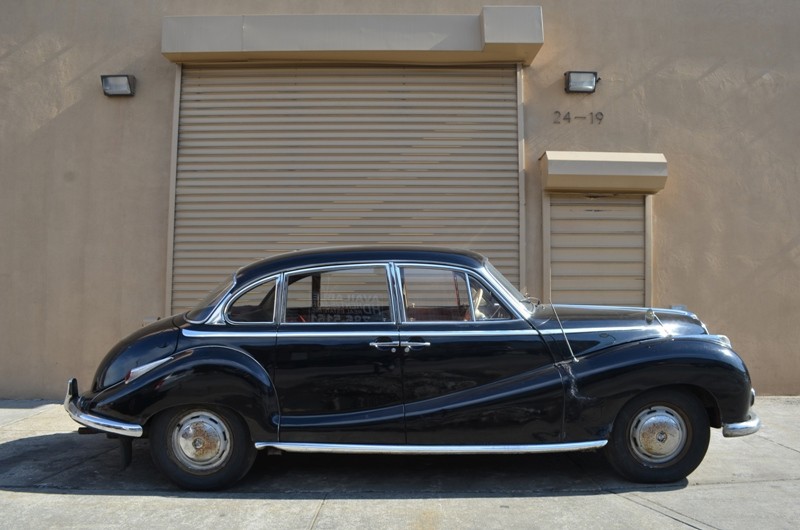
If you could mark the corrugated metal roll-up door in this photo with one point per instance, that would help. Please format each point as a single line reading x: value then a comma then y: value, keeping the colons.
x: 597, y: 249
x: 276, y: 159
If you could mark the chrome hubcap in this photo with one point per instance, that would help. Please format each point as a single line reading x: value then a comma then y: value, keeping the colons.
x: 657, y: 435
x: 201, y: 441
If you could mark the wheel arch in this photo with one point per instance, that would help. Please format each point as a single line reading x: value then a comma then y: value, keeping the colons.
x: 704, y: 396
x: 211, y: 376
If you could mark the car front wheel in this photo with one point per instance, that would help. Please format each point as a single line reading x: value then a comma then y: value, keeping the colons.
x: 201, y: 448
x: 659, y: 436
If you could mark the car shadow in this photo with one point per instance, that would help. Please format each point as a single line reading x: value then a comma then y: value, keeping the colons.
x: 69, y: 463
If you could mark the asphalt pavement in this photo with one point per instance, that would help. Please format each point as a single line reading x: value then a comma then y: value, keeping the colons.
x: 52, y: 477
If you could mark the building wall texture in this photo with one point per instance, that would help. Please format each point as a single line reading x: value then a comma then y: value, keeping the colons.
x: 85, y: 179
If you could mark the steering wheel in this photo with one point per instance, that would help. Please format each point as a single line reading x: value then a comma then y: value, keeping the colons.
x: 477, y: 301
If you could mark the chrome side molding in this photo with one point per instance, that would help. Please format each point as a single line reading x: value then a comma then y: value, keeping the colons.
x: 380, y: 449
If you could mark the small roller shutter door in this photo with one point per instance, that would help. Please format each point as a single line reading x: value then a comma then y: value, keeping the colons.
x: 276, y: 159
x: 597, y: 249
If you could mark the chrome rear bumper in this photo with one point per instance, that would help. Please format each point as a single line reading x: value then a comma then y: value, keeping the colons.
x: 97, y: 422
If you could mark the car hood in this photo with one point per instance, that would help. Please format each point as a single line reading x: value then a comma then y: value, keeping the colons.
x: 590, y: 328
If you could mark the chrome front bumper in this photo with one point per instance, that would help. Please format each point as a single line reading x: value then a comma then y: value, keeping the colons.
x: 743, y: 428
x: 97, y: 422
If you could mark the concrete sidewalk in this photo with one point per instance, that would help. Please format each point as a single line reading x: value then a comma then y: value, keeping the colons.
x: 52, y: 477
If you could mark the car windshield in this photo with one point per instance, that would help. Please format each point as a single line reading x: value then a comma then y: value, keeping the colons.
x: 513, y: 291
x: 203, y: 309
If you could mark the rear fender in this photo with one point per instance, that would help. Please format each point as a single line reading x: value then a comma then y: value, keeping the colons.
x: 208, y: 375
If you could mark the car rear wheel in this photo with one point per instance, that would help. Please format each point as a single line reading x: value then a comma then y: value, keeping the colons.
x: 659, y: 436
x: 201, y: 448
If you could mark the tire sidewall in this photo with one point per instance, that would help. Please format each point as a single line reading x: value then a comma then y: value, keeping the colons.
x: 622, y: 457
x: 235, y: 467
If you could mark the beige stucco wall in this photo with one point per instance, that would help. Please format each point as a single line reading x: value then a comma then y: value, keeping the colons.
x: 712, y: 85
x: 85, y: 179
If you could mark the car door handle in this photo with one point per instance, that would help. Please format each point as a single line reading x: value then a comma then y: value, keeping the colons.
x: 408, y: 344
x: 382, y: 345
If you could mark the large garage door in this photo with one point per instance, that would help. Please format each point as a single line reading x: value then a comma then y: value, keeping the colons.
x: 276, y: 159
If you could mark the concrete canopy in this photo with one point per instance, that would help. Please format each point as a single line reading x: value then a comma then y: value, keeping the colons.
x: 581, y: 171
x: 499, y: 34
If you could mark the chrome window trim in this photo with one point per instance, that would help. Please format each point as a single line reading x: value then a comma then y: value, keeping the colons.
x: 300, y: 447
x: 234, y: 296
x: 472, y: 307
x: 504, y: 304
x: 394, y: 282
x: 337, y: 266
x: 396, y: 288
x: 333, y: 265
x: 517, y: 307
x: 482, y: 274
x: 284, y: 295
x: 403, y: 316
x: 217, y: 317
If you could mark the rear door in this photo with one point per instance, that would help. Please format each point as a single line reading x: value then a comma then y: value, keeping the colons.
x: 338, y: 370
x: 474, y: 373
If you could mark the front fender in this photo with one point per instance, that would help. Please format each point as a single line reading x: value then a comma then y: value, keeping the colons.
x: 208, y: 375
x: 601, y: 383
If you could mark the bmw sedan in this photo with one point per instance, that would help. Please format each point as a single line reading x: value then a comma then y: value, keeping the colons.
x: 408, y: 350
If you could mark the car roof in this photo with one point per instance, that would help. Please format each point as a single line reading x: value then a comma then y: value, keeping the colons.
x: 357, y: 254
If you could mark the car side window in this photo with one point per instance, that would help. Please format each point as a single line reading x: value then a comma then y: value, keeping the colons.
x: 486, y: 306
x: 255, y: 305
x: 443, y: 295
x: 435, y: 295
x: 349, y: 295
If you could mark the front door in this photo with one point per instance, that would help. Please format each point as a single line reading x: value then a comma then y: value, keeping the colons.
x: 474, y: 373
x: 338, y: 369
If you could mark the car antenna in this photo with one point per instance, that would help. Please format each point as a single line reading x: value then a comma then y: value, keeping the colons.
x: 563, y: 331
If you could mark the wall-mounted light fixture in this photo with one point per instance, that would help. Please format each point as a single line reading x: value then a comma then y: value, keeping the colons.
x: 580, y: 82
x: 118, y: 85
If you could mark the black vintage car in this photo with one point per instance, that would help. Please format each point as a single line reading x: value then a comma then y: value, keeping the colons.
x: 408, y: 351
